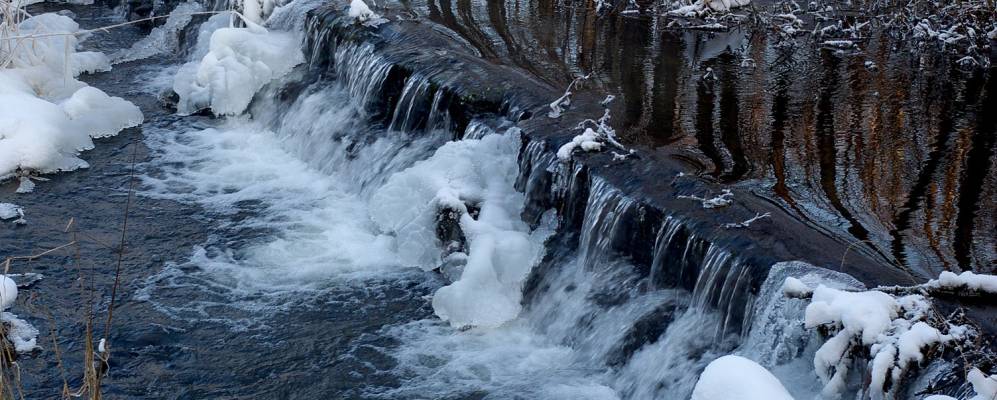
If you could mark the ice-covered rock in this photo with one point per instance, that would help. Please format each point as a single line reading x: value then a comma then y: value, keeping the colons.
x: 240, y: 61
x: 984, y: 385
x: 11, y: 211
x: 501, y: 249
x: 163, y: 38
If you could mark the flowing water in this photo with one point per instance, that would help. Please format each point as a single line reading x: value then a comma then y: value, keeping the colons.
x: 300, y: 278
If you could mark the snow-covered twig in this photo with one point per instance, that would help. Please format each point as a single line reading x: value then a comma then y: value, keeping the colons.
x: 746, y: 223
x: 558, y: 106
x: 722, y: 200
x: 595, y: 134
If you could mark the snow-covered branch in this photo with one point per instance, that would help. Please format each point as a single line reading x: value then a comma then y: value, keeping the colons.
x: 746, y: 223
x: 558, y: 106
x: 897, y: 331
x: 724, y: 199
x: 595, y: 135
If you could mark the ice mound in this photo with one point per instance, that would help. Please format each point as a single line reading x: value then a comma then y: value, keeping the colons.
x: 501, y: 248
x: 239, y: 62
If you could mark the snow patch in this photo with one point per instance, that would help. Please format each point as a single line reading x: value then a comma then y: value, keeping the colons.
x: 793, y: 287
x: 701, y: 7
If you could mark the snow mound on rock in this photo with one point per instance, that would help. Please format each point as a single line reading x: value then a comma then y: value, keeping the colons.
x: 738, y: 378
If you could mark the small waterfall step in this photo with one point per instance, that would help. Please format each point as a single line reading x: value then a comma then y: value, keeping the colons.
x: 630, y: 207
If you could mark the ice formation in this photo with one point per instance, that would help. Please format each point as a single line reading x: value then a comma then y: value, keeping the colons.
x: 984, y: 385
x: 239, y: 62
x: 256, y: 12
x: 11, y: 211
x: 738, y: 378
x: 501, y: 248
x: 47, y: 116
x: 164, y: 38
x: 724, y: 199
x: 20, y: 333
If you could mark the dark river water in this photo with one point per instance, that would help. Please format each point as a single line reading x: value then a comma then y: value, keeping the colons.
x: 255, y: 269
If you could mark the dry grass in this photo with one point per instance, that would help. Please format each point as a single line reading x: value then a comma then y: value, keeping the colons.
x: 95, y: 359
x: 95, y: 362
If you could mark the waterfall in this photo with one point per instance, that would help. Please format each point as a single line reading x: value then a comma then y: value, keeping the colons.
x: 557, y: 281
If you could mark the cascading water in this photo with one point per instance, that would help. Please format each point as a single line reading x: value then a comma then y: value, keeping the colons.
x: 337, y: 184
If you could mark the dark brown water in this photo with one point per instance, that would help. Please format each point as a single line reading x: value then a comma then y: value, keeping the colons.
x: 890, y: 146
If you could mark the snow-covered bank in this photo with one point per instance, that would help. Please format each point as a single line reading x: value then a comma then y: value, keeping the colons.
x: 47, y: 116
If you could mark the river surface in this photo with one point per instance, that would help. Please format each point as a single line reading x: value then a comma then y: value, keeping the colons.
x: 254, y: 267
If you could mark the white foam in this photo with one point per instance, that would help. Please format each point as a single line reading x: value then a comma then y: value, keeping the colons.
x: 319, y: 229
x: 512, y: 361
